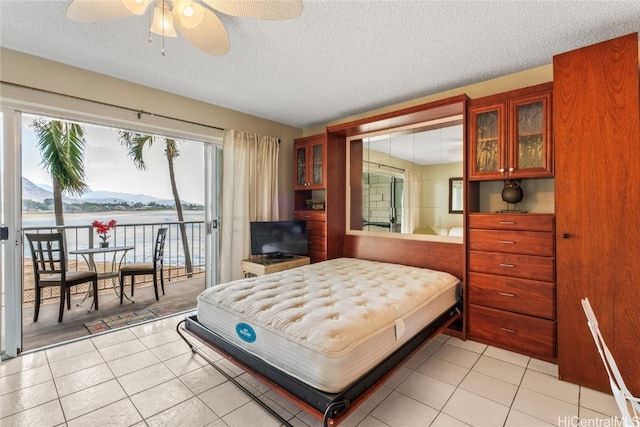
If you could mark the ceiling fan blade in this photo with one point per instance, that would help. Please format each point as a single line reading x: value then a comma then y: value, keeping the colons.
x: 96, y: 10
x: 258, y: 9
x: 209, y: 36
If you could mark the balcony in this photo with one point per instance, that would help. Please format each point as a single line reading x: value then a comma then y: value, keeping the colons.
x: 181, y: 286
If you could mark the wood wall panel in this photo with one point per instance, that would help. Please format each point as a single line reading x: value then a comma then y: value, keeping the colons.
x: 447, y: 257
x: 597, y: 190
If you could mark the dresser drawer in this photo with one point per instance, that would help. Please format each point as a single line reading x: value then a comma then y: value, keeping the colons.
x: 512, y: 294
x: 525, y: 266
x: 316, y: 228
x: 517, y: 332
x: 517, y: 242
x: 310, y: 215
x: 317, y: 243
x: 527, y: 222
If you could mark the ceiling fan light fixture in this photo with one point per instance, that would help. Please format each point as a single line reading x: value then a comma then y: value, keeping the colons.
x: 188, y: 13
x: 137, y: 7
x: 163, y: 21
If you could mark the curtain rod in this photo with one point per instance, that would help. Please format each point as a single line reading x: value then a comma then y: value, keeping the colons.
x: 139, y: 113
x: 383, y: 165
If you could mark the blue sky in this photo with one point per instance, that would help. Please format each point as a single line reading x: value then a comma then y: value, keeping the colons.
x: 108, y: 168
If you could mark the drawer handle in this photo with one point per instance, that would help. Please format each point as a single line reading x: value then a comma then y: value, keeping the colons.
x: 507, y: 294
x: 507, y: 265
x: 511, y: 331
x: 507, y: 222
x: 507, y: 242
x: 307, y: 216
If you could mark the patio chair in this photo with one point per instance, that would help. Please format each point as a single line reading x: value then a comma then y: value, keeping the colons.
x: 627, y: 403
x: 50, y: 269
x: 143, y: 268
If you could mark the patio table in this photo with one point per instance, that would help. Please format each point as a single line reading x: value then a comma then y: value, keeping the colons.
x: 89, y: 257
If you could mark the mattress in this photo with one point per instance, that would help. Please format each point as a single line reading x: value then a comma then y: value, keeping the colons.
x: 328, y: 323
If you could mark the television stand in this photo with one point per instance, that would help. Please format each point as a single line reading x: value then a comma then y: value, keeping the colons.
x: 264, y: 265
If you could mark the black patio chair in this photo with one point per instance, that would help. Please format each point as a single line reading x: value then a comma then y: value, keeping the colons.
x: 50, y: 269
x: 143, y: 268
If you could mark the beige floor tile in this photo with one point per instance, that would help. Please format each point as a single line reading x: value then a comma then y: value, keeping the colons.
x: 370, y: 421
x: 544, y: 367
x: 507, y: 356
x: 398, y: 410
x: 46, y: 415
x: 546, y: 408
x: 444, y: 420
x: 118, y: 351
x: 161, y: 397
x: 23, y: 363
x: 353, y: 419
x: 27, y: 398
x: 229, y: 368
x: 427, y: 390
x: 397, y: 377
x: 494, y: 389
x: 160, y: 338
x: 474, y: 346
x: 499, y: 369
x: 423, y: 354
x: 203, y: 379
x: 444, y: 371
x: 90, y: 399
x: 224, y: 398
x: 457, y: 355
x: 70, y: 350
x: 598, y: 401
x: 551, y: 386
x: 185, y: 363
x: 593, y: 418
x: 113, y: 337
x: 475, y: 410
x: 250, y: 414
x: 85, y: 378
x: 150, y: 328
x: 76, y: 363
x: 190, y: 413
x: 119, y: 414
x: 145, y: 378
x: 132, y: 363
x: 170, y: 350
x: 287, y: 405
x: 24, y: 379
x: 518, y: 419
x: 375, y: 399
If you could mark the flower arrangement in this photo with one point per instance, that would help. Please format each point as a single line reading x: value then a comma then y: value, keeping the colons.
x: 102, y: 228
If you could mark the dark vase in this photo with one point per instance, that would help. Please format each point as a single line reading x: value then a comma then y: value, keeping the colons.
x: 512, y: 192
x: 104, y: 244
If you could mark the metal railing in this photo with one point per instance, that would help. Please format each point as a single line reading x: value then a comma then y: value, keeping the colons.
x: 141, y: 236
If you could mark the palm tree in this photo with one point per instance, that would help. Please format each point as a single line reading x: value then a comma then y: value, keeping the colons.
x: 135, y: 143
x: 61, y: 146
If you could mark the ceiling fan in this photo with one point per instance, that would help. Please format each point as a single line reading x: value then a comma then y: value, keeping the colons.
x: 196, y: 21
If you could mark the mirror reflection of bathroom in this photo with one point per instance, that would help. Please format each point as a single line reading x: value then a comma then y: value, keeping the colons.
x: 401, y: 179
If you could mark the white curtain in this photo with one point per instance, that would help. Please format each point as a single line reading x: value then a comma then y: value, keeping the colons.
x: 249, y: 193
x: 410, y: 201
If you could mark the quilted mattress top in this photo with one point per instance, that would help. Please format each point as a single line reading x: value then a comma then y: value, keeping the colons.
x: 351, y: 298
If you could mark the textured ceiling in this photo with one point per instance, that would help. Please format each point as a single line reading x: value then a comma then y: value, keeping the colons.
x: 337, y: 59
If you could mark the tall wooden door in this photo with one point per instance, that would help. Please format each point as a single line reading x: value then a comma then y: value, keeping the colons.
x: 597, y: 191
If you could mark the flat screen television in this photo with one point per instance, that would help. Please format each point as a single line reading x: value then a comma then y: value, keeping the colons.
x: 278, y: 239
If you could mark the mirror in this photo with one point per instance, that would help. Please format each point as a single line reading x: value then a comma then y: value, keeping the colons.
x: 455, y: 195
x: 399, y: 180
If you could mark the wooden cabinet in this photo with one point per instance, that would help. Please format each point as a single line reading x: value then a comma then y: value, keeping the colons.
x: 309, y: 162
x: 511, y: 282
x: 596, y: 110
x: 510, y: 135
x: 316, y: 233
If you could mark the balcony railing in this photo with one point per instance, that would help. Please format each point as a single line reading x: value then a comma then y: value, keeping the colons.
x: 141, y: 236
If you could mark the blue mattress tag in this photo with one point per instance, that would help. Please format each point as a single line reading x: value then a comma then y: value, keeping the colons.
x: 245, y: 332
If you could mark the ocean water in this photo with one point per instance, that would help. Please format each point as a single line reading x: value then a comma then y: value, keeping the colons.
x: 142, y: 236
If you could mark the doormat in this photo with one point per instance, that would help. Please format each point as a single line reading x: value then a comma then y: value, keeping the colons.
x: 125, y: 319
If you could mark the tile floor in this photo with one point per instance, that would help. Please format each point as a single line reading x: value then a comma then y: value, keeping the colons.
x: 146, y: 376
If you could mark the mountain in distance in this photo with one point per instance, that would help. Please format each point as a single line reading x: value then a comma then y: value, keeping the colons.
x: 40, y: 192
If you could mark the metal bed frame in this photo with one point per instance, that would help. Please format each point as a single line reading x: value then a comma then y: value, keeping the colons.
x: 330, y: 407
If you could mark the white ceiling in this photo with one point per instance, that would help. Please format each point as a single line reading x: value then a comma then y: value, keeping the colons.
x: 339, y: 58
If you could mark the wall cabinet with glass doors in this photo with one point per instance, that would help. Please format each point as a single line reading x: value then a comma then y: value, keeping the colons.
x: 510, y: 135
x: 309, y: 156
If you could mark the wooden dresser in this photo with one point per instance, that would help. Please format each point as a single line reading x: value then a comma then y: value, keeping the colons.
x: 511, y: 282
